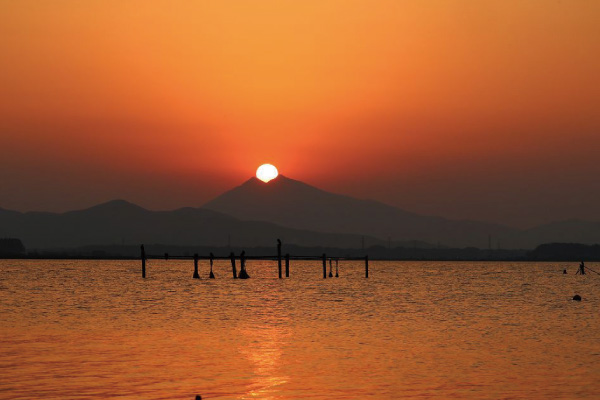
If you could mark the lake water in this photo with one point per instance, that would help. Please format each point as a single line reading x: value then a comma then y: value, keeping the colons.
x: 74, y: 329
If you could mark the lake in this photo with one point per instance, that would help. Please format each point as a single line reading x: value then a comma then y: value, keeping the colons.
x: 73, y: 329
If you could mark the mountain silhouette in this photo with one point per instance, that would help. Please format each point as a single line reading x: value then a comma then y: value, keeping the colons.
x: 256, y: 213
x: 292, y: 203
x: 118, y: 222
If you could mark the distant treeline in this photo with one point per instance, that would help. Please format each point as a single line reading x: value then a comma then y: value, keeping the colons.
x: 545, y: 252
x: 565, y: 252
x: 11, y: 247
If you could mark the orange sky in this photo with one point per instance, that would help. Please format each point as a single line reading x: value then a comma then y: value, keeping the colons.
x: 466, y: 109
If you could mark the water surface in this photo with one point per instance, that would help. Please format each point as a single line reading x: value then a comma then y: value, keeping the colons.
x: 74, y: 329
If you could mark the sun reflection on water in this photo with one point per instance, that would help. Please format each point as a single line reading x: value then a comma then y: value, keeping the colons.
x: 266, y: 338
x: 461, y: 330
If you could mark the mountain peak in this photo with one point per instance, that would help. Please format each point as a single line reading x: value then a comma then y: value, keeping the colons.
x: 112, y: 206
x: 279, y: 179
x: 279, y: 194
x: 279, y: 185
x: 295, y: 204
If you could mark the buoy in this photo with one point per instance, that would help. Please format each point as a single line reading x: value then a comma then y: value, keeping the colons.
x: 577, y: 297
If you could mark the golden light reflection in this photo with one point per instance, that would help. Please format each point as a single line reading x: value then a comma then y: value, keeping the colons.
x: 265, y: 341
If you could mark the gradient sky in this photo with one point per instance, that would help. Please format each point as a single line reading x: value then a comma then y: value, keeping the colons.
x: 486, y: 110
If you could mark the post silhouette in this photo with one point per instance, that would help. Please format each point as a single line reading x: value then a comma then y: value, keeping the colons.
x: 211, y: 275
x: 279, y: 257
x: 581, y: 270
x: 233, y: 269
x: 143, y: 257
x: 243, y: 274
x: 287, y: 265
x: 196, y: 274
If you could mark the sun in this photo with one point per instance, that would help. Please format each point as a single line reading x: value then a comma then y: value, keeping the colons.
x: 266, y: 172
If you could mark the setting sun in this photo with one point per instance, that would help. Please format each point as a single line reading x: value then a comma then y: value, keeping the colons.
x: 266, y: 172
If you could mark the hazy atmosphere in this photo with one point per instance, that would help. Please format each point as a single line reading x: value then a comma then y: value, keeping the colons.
x: 463, y: 109
x: 299, y: 199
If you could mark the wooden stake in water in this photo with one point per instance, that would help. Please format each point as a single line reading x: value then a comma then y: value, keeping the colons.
x: 143, y: 257
x: 233, y: 269
x: 337, y: 275
x: 196, y: 274
x: 324, y: 266
x: 330, y: 269
x: 211, y: 275
x: 279, y: 257
x: 243, y: 272
x: 366, y: 266
x: 287, y: 265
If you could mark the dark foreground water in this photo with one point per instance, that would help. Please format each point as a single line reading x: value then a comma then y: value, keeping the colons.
x: 96, y: 330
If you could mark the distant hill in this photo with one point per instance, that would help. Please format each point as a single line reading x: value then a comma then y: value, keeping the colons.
x: 295, y: 204
x: 119, y: 222
x: 257, y: 213
x: 11, y: 247
x: 570, y: 231
x: 565, y: 252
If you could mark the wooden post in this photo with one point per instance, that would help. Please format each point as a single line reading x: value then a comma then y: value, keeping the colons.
x: 330, y: 272
x: 337, y: 275
x: 242, y: 264
x: 143, y: 257
x: 324, y: 266
x: 287, y: 265
x: 196, y: 274
x: 243, y: 273
x: 211, y: 276
x: 166, y: 256
x: 233, y: 269
x: 366, y: 266
x: 279, y: 257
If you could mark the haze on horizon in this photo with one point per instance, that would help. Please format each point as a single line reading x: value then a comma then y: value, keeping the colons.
x: 480, y: 110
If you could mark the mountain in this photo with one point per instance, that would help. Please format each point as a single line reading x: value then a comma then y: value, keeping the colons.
x: 257, y: 213
x: 565, y: 252
x: 569, y: 231
x: 118, y: 222
x: 295, y: 204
